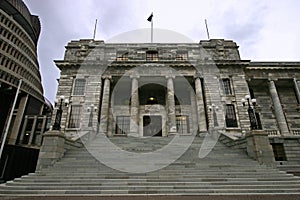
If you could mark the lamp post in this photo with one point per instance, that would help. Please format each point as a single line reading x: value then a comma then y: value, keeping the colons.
x: 59, y: 111
x: 91, y: 109
x: 213, y: 108
x: 251, y: 111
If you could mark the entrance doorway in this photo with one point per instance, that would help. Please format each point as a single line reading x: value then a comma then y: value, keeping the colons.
x: 152, y: 126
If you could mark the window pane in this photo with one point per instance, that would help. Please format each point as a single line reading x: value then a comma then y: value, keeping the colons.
x: 182, y: 56
x: 226, y: 86
x: 79, y: 87
x: 74, y: 121
x: 152, y: 55
x: 231, y: 120
x: 279, y: 152
x: 122, y: 56
x: 123, y: 124
x: 182, y: 124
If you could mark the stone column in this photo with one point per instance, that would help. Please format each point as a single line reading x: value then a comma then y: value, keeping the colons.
x: 171, y: 105
x: 259, y: 148
x: 297, y: 90
x: 200, y: 106
x: 134, y: 106
x: 105, y: 106
x: 283, y: 127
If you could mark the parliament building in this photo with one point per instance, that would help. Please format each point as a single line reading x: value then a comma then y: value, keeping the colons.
x: 162, y: 89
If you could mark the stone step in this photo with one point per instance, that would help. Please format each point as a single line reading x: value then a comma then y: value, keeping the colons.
x: 139, y: 191
x: 176, y: 172
x: 168, y: 179
x: 223, y: 171
x: 152, y: 187
x: 122, y: 182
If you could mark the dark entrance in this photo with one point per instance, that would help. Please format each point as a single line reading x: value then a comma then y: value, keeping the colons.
x: 152, y: 126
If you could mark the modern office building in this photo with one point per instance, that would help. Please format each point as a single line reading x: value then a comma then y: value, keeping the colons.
x: 19, y: 33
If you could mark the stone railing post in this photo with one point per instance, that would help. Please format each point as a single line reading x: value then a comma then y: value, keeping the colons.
x: 259, y: 148
x: 52, y: 149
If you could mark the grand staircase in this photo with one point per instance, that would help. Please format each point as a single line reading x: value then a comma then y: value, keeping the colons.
x: 224, y: 171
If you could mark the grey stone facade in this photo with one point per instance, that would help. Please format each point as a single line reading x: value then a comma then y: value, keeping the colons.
x: 148, y: 89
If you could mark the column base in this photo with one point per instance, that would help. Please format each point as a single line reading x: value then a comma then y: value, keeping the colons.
x: 173, y: 130
x: 133, y: 134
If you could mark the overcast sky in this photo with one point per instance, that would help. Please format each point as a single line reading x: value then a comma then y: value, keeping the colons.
x: 265, y: 30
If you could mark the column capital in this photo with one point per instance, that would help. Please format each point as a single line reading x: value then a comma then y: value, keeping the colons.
x: 197, y: 76
x: 134, y: 76
x: 109, y: 77
x: 272, y: 79
x: 170, y: 76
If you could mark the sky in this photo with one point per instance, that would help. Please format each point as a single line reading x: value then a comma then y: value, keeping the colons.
x: 265, y: 30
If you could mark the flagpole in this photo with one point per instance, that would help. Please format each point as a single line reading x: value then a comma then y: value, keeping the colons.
x: 207, y: 29
x: 152, y: 31
x: 150, y: 19
x: 94, y: 36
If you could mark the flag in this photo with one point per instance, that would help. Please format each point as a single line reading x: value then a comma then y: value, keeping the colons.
x: 150, y: 17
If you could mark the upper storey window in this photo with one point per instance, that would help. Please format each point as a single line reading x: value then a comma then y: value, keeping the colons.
x: 79, y: 86
x: 225, y: 82
x: 122, y: 56
x: 152, y: 55
x: 182, y: 55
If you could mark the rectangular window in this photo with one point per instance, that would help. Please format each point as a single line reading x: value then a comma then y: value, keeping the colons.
x: 182, y: 56
x: 74, y: 120
x: 79, y: 87
x: 182, y: 124
x: 123, y: 124
x: 122, y: 56
x: 152, y: 55
x: 230, y: 116
x: 278, y: 151
x: 226, y: 86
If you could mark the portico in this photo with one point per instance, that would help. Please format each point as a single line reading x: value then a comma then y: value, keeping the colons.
x: 151, y: 105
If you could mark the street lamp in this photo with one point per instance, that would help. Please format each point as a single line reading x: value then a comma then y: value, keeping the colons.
x: 214, y: 108
x: 59, y: 111
x: 91, y: 110
x: 251, y: 112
